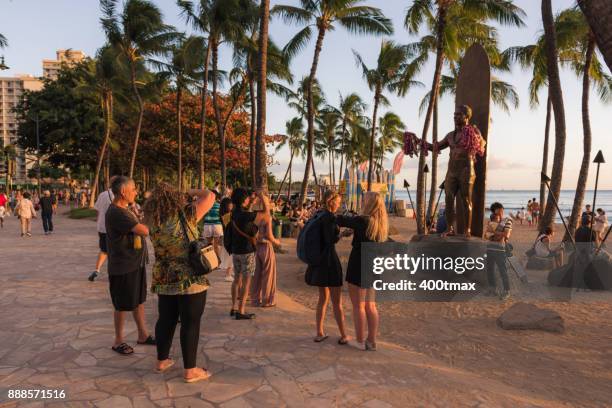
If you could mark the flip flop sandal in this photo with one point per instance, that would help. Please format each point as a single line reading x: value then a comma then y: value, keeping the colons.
x: 319, y: 339
x: 197, y: 378
x: 159, y: 371
x: 150, y: 341
x: 342, y: 342
x: 123, y: 349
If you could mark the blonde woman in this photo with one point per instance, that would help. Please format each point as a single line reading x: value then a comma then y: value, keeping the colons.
x: 371, y: 226
x: 327, y: 275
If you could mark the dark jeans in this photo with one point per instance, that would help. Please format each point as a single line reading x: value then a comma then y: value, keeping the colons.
x: 497, y: 256
x: 47, y: 222
x: 190, y: 309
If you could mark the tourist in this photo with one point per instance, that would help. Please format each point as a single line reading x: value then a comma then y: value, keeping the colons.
x: 3, y: 207
x: 535, y: 211
x: 371, y: 226
x: 601, y: 223
x: 242, y: 248
x: 586, y: 213
x: 521, y: 215
x: 494, y: 221
x: 543, y: 248
x: 127, y: 256
x: 327, y: 275
x: 226, y: 263
x: 180, y: 293
x: 46, y: 212
x: 496, y: 250
x: 529, y: 214
x: 26, y: 212
x: 585, y: 233
x: 263, y: 287
x: 213, y: 228
x: 101, y: 206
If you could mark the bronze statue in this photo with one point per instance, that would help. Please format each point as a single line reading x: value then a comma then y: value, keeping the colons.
x: 465, y: 144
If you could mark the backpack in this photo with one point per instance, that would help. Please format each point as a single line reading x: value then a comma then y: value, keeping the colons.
x: 309, y: 243
x: 227, y: 235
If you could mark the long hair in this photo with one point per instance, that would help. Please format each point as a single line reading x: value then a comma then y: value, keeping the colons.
x: 329, y: 197
x: 164, y: 204
x: 378, y: 224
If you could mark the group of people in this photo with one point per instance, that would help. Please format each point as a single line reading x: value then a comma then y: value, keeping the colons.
x: 529, y: 214
x: 26, y: 207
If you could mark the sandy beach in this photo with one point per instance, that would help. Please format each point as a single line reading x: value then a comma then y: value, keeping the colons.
x: 573, y: 368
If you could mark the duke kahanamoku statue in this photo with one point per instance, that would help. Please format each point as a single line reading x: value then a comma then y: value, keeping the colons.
x: 465, y: 144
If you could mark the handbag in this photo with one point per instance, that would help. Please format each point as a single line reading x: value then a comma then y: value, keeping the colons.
x: 202, y: 257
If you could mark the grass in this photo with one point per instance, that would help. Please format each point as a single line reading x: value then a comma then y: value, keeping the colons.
x: 82, y: 213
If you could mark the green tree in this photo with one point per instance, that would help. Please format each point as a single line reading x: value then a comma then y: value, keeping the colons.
x: 453, y: 25
x: 295, y: 140
x: 261, y: 172
x: 351, y: 109
x: 139, y: 33
x: 8, y: 155
x: 326, y: 140
x: 323, y: 15
x: 392, y: 73
x: 391, y: 129
x: 599, y: 15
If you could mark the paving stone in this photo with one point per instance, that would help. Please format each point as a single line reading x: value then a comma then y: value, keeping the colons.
x: 191, y: 402
x: 142, y: 402
x: 89, y: 395
x: 375, y: 403
x: 16, y: 377
x: 86, y: 360
x: 324, y: 375
x: 116, y: 401
x: 179, y: 388
x: 237, y: 403
x: 218, y: 392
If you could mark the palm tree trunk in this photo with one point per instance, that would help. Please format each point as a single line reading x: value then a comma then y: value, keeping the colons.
x: 140, y: 116
x: 107, y: 169
x: 545, y: 153
x: 373, y: 136
x: 333, y: 171
x: 310, y: 114
x: 342, y: 141
x: 108, y: 111
x: 435, y: 88
x: 599, y: 16
x: 218, y: 121
x: 329, y: 163
x: 261, y: 155
x: 203, y: 117
x: 179, y: 132
x: 433, y: 190
x: 290, y: 180
x: 253, y: 129
x: 280, y: 189
x: 556, y: 96
x: 586, y: 127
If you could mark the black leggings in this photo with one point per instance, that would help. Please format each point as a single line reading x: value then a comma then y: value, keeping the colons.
x: 190, y: 309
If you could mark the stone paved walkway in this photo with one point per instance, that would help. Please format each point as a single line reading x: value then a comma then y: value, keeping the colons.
x: 56, y: 332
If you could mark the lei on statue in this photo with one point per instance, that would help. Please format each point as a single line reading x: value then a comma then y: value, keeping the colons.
x: 470, y: 141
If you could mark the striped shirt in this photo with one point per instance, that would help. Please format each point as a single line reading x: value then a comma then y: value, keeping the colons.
x: 212, y: 217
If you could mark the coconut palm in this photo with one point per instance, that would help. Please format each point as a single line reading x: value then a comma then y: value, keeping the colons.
x: 294, y: 139
x: 599, y: 16
x: 326, y: 140
x: 351, y: 109
x: 261, y: 172
x: 392, y: 73
x: 103, y: 77
x: 453, y: 25
x: 324, y: 14
x: 577, y: 46
x: 139, y: 33
x: 556, y: 97
x: 3, y: 41
x: 184, y: 69
x: 391, y: 138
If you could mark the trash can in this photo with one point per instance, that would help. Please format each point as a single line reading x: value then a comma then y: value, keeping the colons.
x: 277, y: 229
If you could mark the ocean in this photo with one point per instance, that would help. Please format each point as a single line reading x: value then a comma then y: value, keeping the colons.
x: 513, y: 200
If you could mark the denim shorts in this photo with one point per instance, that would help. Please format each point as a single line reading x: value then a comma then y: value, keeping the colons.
x: 244, y: 264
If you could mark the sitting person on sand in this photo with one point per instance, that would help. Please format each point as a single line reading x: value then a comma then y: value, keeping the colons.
x: 543, y: 249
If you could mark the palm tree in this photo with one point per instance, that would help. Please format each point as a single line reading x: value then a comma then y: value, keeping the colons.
x: 104, y: 78
x: 391, y: 136
x: 8, y: 154
x: 294, y: 139
x: 556, y: 97
x: 351, y: 109
x: 577, y: 45
x: 454, y: 24
x: 3, y: 41
x: 184, y: 68
x: 139, y: 33
x: 326, y: 141
x: 198, y: 18
x: 391, y: 73
x: 261, y: 172
x: 599, y: 16
x: 323, y: 14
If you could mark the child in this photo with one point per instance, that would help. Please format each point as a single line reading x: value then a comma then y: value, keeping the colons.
x: 492, y: 226
x: 521, y: 215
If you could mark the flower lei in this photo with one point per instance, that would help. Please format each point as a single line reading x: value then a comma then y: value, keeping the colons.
x: 472, y: 142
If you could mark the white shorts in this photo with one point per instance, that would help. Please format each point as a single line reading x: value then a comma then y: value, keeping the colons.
x: 212, y: 230
x: 2, y: 211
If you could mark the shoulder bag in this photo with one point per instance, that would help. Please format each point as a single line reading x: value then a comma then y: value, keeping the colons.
x: 202, y: 257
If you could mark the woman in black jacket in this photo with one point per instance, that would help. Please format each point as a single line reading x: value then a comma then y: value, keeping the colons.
x: 328, y: 274
x: 371, y: 226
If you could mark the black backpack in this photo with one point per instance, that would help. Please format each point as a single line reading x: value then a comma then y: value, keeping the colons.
x: 227, y: 236
x: 309, y: 242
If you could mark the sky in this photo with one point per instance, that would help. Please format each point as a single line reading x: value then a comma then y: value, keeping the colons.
x: 36, y: 28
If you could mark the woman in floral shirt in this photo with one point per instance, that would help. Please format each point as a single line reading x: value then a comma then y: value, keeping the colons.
x: 180, y: 292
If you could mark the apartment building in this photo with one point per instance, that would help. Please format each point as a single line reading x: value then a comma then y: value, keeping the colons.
x: 51, y: 67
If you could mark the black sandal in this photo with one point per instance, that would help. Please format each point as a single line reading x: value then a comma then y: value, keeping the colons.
x: 150, y: 341
x: 123, y: 349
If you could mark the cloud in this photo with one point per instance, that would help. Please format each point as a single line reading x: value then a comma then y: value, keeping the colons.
x: 497, y: 163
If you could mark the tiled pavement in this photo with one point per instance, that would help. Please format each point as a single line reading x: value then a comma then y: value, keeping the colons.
x: 56, y: 330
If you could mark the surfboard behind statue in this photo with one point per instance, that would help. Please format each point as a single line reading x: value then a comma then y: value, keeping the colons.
x: 474, y: 89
